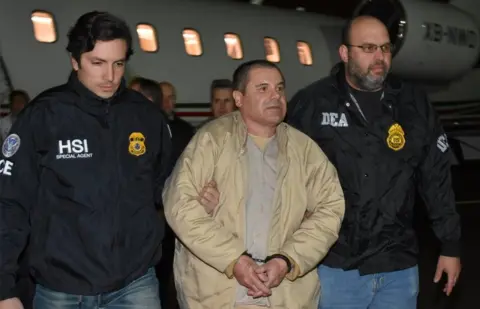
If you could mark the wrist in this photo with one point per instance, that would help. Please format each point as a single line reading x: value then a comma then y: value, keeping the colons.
x: 243, y: 258
x: 281, y: 257
x: 282, y: 264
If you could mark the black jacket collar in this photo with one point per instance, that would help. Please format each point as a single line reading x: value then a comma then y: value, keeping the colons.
x: 89, y: 101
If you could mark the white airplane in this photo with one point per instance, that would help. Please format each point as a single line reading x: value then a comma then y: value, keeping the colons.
x: 190, y: 43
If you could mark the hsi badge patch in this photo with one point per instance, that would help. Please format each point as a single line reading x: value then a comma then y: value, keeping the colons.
x: 396, y: 137
x: 137, y: 144
x: 10, y: 145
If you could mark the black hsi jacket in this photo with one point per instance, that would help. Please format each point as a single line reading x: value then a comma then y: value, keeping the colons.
x: 379, y: 182
x: 87, y: 173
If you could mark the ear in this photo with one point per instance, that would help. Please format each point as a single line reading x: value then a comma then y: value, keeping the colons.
x: 75, y: 64
x: 237, y: 97
x: 343, y: 53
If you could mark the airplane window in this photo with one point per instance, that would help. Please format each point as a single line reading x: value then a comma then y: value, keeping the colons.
x: 193, y: 44
x: 233, y: 46
x: 147, y: 38
x: 43, y: 27
x: 304, y: 53
x: 272, y: 51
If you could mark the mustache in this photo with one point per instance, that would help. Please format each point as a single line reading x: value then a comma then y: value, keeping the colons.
x: 378, y: 63
x: 273, y: 103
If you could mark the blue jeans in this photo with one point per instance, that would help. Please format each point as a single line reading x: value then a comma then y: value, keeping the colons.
x: 142, y: 293
x: 347, y: 289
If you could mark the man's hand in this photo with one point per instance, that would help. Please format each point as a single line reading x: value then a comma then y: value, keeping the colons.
x: 209, y: 197
x: 274, y: 272
x: 11, y: 303
x: 244, y: 272
x: 451, y: 266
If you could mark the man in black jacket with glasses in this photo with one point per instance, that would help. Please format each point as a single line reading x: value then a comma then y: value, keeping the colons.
x: 386, y: 141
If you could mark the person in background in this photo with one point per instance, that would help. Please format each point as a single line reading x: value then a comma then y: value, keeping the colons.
x: 134, y: 83
x: 256, y: 248
x: 182, y: 131
x: 83, y: 171
x: 150, y: 89
x: 386, y: 141
x: 221, y: 99
x: 17, y: 100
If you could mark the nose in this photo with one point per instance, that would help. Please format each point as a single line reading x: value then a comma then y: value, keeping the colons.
x: 110, y: 74
x: 276, y: 94
x: 167, y: 105
x: 379, y: 54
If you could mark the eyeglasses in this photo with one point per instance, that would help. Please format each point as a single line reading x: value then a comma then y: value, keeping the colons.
x: 371, y: 48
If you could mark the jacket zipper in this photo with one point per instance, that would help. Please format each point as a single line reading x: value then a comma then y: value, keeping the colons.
x: 111, y: 138
x: 354, y: 100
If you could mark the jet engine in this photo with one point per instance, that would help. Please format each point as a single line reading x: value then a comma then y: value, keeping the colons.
x: 433, y: 41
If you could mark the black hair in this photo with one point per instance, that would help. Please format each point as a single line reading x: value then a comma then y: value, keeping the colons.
x: 134, y: 80
x: 241, y: 74
x: 220, y: 84
x: 149, y: 88
x: 16, y: 93
x: 97, y: 26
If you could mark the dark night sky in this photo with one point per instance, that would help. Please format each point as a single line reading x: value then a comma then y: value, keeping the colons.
x: 340, y: 8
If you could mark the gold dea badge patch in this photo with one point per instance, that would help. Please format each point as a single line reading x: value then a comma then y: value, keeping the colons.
x: 137, y: 144
x: 396, y: 137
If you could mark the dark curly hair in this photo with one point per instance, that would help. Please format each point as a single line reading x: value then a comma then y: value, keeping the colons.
x: 97, y: 26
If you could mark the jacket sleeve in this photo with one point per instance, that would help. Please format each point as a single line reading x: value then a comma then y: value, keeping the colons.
x: 197, y: 230
x: 18, y: 194
x: 435, y: 184
x: 164, y: 164
x: 317, y: 233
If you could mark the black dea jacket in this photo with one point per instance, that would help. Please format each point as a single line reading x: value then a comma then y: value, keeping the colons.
x: 381, y: 161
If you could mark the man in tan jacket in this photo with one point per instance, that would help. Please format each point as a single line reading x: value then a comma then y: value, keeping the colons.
x: 257, y: 248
